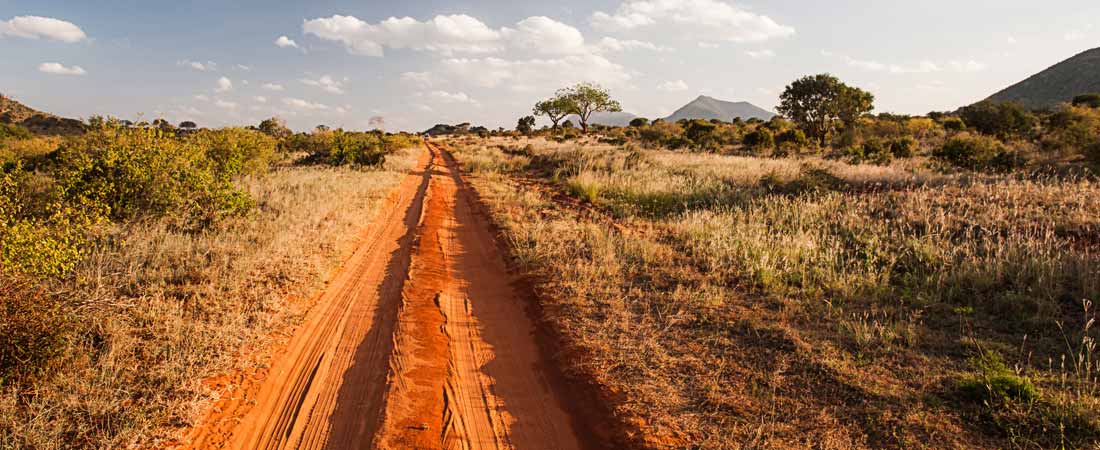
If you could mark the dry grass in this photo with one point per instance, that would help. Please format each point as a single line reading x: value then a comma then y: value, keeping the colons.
x: 758, y: 303
x: 162, y: 310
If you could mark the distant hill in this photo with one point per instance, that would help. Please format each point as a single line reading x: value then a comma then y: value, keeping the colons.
x: 1060, y: 83
x: 13, y: 112
x: 618, y: 119
x: 708, y: 108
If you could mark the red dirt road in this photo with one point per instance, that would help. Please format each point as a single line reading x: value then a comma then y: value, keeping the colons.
x: 420, y: 342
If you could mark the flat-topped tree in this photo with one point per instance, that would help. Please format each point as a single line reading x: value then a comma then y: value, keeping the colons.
x: 583, y: 99
x: 555, y: 109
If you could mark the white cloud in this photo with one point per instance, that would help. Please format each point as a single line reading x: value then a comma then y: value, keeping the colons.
x: 202, y: 98
x: 225, y: 104
x: 260, y: 99
x: 448, y: 97
x: 701, y: 19
x: 224, y: 85
x: 286, y: 42
x: 329, y: 84
x: 422, y: 80
x: 708, y: 45
x: 244, y: 67
x: 303, y: 104
x: 449, y: 35
x: 59, y: 69
x: 611, y: 44
x: 760, y: 54
x: 673, y: 86
x: 1074, y: 35
x: 272, y: 87
x: 35, y: 27
x: 446, y: 34
x: 924, y: 66
x: 202, y: 67
x: 545, y: 35
x: 532, y: 74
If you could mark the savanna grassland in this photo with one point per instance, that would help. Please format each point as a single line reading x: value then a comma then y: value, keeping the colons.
x: 878, y: 294
x: 140, y: 260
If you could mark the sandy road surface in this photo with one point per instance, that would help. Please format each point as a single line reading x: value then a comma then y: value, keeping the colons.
x: 421, y: 341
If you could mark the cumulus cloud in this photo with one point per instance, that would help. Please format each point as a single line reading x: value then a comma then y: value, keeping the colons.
x: 448, y: 97
x: 304, y: 104
x: 202, y: 98
x: 224, y: 85
x: 422, y: 80
x: 272, y: 87
x: 700, y: 19
x: 329, y: 84
x: 223, y: 104
x: 202, y: 67
x: 673, y: 86
x: 610, y: 44
x: 260, y: 99
x: 760, y: 54
x: 286, y: 42
x: 533, y: 74
x: 448, y: 35
x: 35, y: 27
x: 545, y: 35
x: 59, y: 69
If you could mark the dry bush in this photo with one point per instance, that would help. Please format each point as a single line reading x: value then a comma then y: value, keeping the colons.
x: 728, y: 315
x: 158, y: 309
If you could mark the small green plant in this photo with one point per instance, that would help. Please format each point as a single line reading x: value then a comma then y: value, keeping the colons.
x: 994, y: 382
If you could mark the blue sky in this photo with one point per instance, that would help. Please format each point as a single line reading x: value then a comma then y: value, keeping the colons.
x: 486, y: 62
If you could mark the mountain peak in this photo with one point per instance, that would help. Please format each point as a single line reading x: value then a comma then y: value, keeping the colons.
x: 708, y: 108
x: 1080, y: 74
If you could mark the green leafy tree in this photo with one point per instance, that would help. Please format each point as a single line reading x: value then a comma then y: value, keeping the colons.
x: 639, y: 122
x: 1089, y: 100
x: 1001, y: 119
x: 584, y: 99
x: 818, y: 103
x: 555, y: 109
x: 526, y: 124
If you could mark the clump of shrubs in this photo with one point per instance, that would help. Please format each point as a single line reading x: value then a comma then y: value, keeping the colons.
x: 976, y: 152
x: 36, y: 328
x: 759, y: 139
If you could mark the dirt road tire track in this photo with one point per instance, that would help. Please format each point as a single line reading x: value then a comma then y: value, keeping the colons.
x: 420, y: 341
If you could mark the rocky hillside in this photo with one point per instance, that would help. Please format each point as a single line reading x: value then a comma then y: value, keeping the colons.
x: 709, y: 108
x: 1058, y: 84
x: 13, y: 112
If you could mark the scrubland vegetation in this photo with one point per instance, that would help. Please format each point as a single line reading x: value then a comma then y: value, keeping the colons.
x: 915, y: 282
x: 139, y: 259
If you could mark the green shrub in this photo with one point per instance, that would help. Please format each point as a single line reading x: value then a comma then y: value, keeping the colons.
x: 13, y: 131
x: 902, y: 147
x: 236, y: 151
x: 1087, y: 100
x: 793, y: 137
x: 994, y: 382
x: 124, y: 173
x: 975, y: 152
x: 954, y: 124
x: 760, y: 139
x: 40, y: 236
x: 1002, y: 119
x: 702, y: 134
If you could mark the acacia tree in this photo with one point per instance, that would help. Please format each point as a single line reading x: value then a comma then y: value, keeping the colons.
x: 555, y: 109
x: 583, y: 99
x: 817, y: 103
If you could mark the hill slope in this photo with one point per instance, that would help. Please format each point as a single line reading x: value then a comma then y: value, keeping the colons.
x: 37, y: 122
x: 616, y: 119
x: 1060, y: 83
x: 711, y: 108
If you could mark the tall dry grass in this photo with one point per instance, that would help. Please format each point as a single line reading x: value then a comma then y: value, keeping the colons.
x: 737, y: 302
x: 160, y: 310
